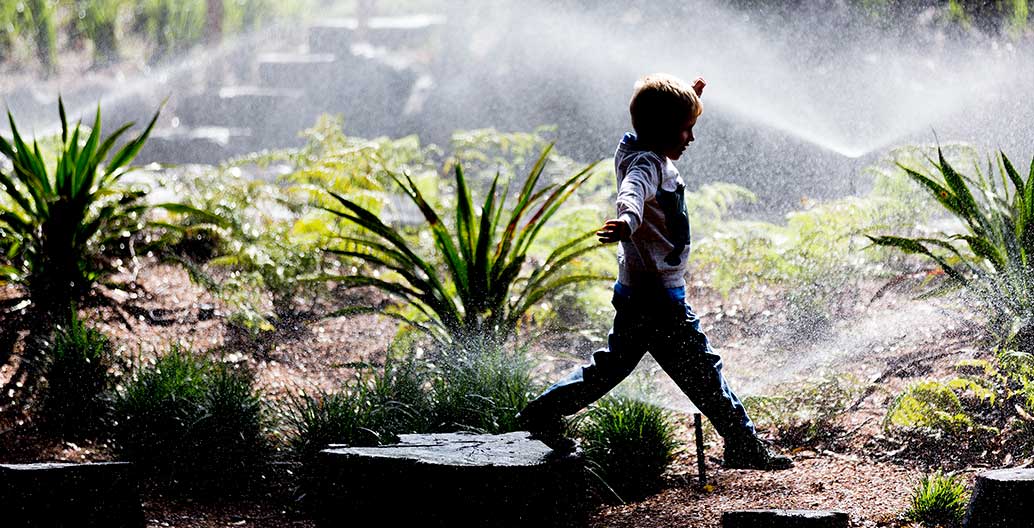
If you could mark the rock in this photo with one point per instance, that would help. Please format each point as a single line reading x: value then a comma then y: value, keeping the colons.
x: 784, y: 519
x: 102, y: 495
x: 1002, y: 498
x: 454, y: 479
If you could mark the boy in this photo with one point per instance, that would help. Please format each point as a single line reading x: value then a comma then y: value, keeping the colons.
x: 652, y: 315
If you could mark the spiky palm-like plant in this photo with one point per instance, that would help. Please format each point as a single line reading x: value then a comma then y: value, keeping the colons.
x: 56, y: 224
x: 480, y: 293
x: 62, y: 226
x: 994, y: 257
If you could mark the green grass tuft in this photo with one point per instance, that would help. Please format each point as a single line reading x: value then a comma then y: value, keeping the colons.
x: 629, y: 443
x: 938, y: 501
x: 75, y: 401
x: 191, y: 416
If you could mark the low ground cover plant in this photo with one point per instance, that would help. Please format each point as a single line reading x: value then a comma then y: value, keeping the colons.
x: 482, y: 391
x: 806, y: 413
x: 372, y: 409
x: 192, y: 419
x: 985, y: 408
x: 409, y: 395
x: 628, y: 444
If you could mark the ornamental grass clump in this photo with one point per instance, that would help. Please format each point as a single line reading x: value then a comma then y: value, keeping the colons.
x: 482, y: 391
x: 938, y: 501
x: 191, y: 418
x: 628, y: 443
x: 476, y: 289
x: 76, y: 400
x: 371, y: 410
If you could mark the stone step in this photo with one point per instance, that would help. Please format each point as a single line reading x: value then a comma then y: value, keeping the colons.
x: 296, y: 70
x: 784, y: 519
x: 101, y: 495
x: 1003, y: 498
x: 454, y: 479
x: 205, y: 145
x: 336, y: 36
x: 252, y: 107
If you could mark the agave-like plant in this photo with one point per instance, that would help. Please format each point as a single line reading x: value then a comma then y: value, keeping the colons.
x: 63, y: 226
x: 485, y: 288
x: 55, y: 225
x: 994, y: 258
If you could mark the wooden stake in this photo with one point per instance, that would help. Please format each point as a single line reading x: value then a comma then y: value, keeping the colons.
x: 701, y: 463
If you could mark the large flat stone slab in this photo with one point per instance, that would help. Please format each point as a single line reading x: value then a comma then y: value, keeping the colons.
x: 784, y: 519
x: 453, y: 479
x: 52, y: 495
x: 1003, y: 498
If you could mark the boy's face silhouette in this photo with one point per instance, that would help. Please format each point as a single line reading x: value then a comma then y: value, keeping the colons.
x: 680, y: 139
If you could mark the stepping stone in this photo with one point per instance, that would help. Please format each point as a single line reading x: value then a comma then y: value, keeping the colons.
x: 101, y: 495
x: 1002, y: 498
x: 454, y: 479
x: 784, y: 519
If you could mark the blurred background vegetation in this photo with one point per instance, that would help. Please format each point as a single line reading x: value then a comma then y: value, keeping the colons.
x: 37, y: 32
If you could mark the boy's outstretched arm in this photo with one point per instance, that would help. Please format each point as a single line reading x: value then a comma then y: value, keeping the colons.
x: 614, y: 230
x: 698, y: 86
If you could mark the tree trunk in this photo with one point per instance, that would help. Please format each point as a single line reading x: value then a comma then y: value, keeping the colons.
x: 45, y: 38
x: 214, y: 21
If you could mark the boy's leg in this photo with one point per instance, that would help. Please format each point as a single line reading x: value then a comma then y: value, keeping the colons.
x: 697, y: 370
x: 689, y: 360
x: 607, y: 367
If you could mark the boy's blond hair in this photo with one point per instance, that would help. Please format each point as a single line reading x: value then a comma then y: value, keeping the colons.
x: 660, y: 104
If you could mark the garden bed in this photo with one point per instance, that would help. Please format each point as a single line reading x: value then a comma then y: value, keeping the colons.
x: 848, y: 474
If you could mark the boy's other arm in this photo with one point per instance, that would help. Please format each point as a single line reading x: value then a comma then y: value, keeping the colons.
x: 636, y: 188
x: 613, y: 230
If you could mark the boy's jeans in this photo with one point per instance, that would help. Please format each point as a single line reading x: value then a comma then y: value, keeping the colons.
x: 662, y: 323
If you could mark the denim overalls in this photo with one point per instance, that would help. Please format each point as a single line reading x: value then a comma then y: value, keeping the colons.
x: 658, y: 321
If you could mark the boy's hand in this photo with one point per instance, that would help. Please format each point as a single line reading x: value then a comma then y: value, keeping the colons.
x: 698, y: 86
x: 613, y: 231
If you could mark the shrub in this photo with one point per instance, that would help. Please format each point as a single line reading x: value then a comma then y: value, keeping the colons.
x: 481, y: 390
x: 931, y: 414
x: 938, y: 501
x: 268, y: 244
x: 816, y: 256
x: 483, y: 257
x: 629, y: 442
x: 187, y: 417
x: 76, y: 402
x: 804, y: 414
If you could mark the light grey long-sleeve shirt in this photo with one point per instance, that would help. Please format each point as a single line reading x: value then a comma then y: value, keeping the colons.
x: 641, y: 175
